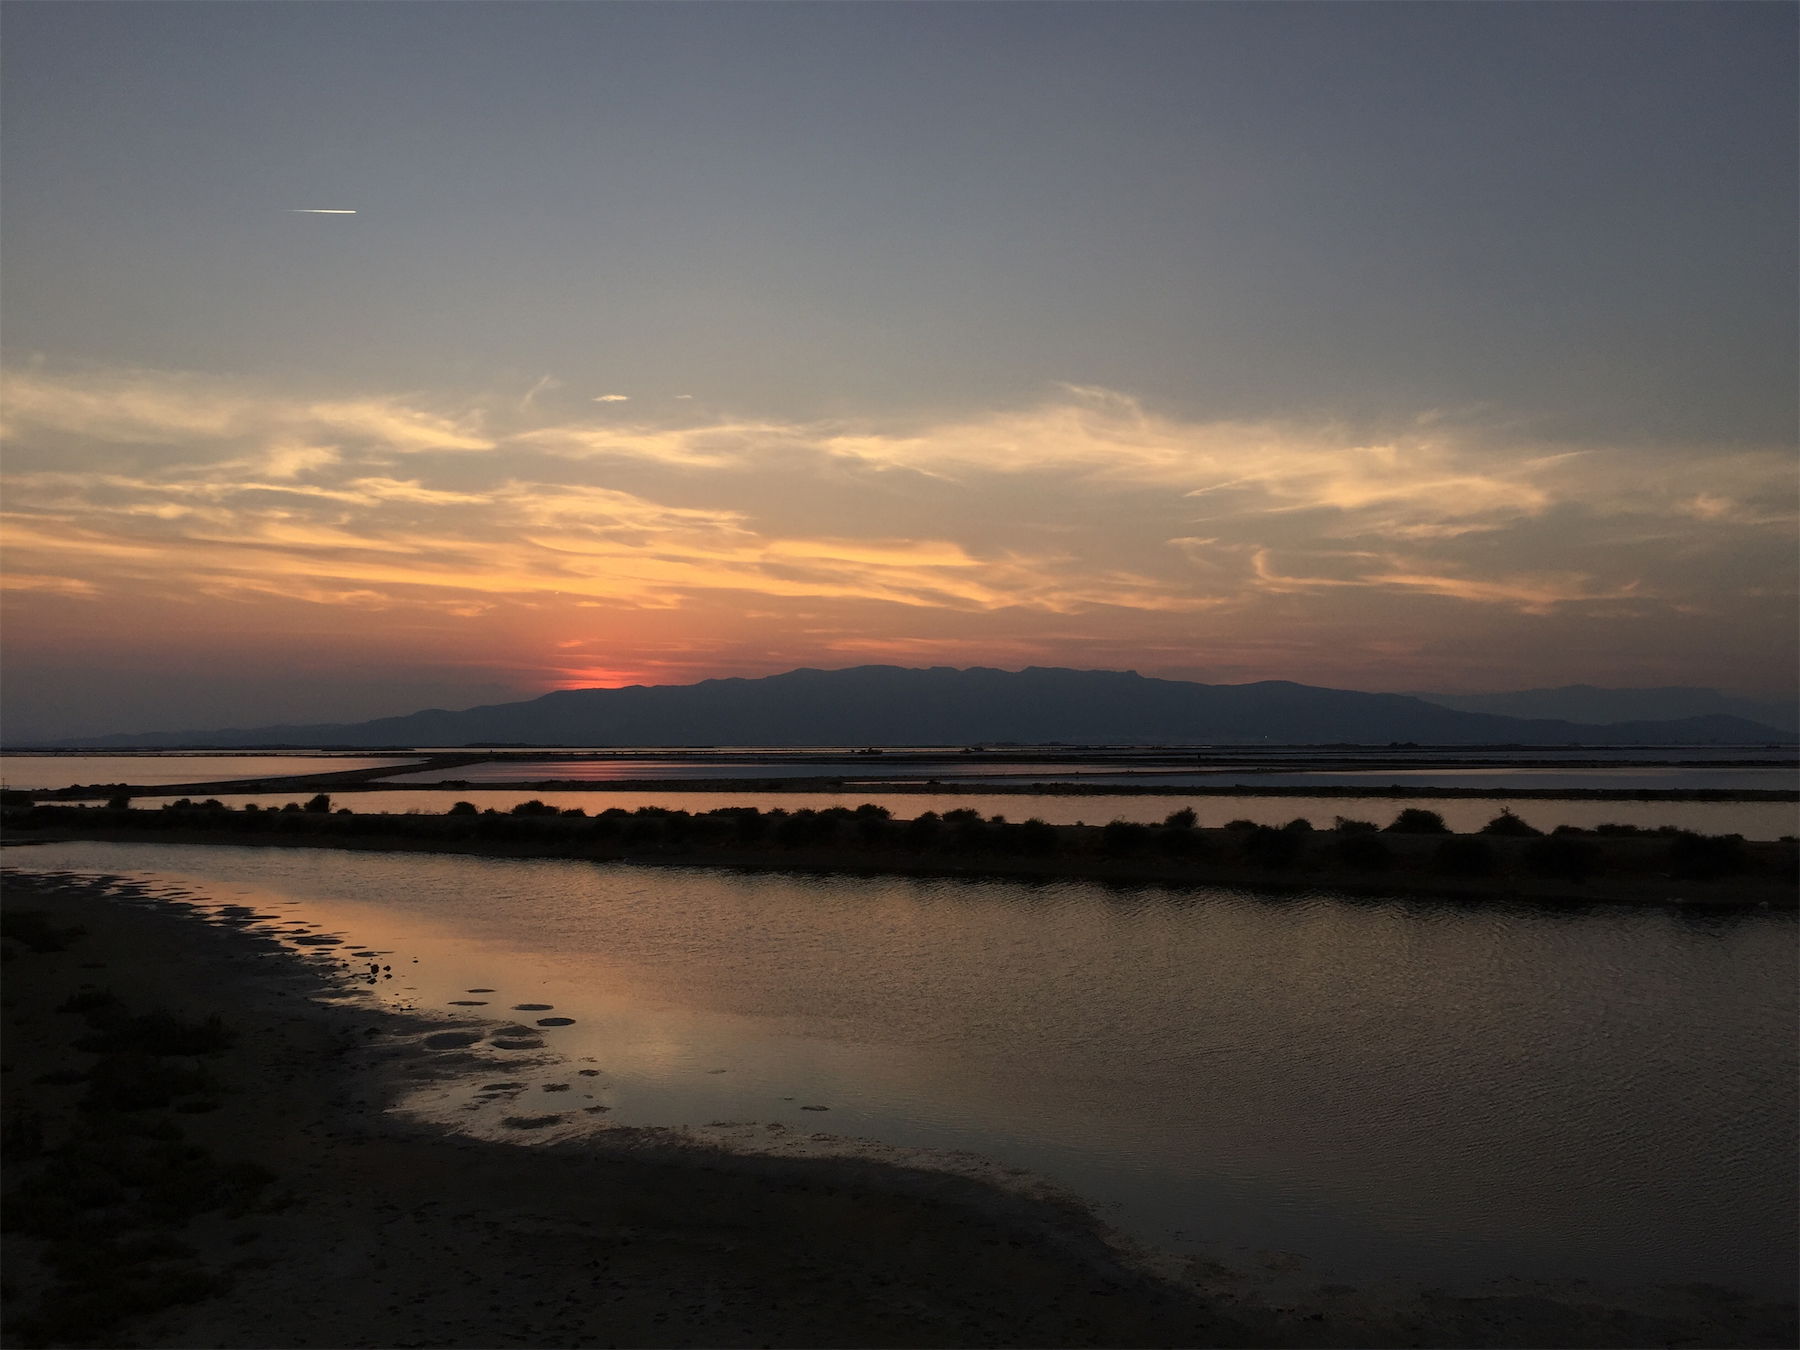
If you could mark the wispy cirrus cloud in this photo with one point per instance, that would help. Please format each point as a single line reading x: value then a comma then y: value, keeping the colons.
x: 153, y: 408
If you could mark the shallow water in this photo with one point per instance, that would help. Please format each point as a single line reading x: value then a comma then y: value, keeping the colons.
x: 1388, y: 1088
x: 1753, y: 820
x: 1781, y: 775
x: 49, y: 772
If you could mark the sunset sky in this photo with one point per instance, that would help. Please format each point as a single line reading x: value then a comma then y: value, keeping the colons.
x: 1382, y: 346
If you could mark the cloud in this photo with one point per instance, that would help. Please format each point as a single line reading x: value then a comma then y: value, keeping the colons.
x: 612, y: 398
x: 542, y: 384
x: 71, y: 588
x: 141, y: 408
x: 1084, y: 520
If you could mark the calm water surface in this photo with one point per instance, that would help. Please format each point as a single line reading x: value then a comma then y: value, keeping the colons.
x: 1777, y: 776
x: 61, y: 771
x: 1384, y: 1087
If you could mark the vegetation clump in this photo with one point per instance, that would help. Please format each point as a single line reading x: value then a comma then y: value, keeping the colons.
x: 1507, y: 825
x: 1705, y: 857
x: 1416, y: 844
x: 1561, y: 857
x: 1417, y: 820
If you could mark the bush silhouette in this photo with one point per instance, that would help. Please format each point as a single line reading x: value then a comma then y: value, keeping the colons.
x: 1510, y: 826
x: 1269, y: 847
x: 1365, y: 852
x: 1464, y: 855
x: 1416, y: 820
x: 1561, y: 857
x: 1703, y: 857
x: 1120, y: 838
x: 922, y: 831
x: 1184, y: 819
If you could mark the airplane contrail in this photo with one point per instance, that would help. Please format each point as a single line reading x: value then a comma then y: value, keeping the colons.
x: 318, y: 211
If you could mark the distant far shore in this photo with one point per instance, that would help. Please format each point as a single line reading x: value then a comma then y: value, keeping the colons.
x: 929, y: 787
x: 1414, y: 854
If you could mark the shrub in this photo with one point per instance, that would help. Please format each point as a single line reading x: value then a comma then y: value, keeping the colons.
x: 922, y: 831
x: 1298, y: 825
x: 1417, y: 820
x: 1366, y: 852
x: 319, y: 805
x: 1464, y: 856
x: 1180, y: 843
x: 1184, y: 819
x: 1702, y: 857
x: 643, y: 830
x: 1510, y: 826
x: 969, y: 833
x: 1035, y: 837
x: 1344, y: 825
x: 804, y: 827
x: 463, y: 809
x: 1562, y: 857
x: 1121, y: 837
x: 1271, y: 847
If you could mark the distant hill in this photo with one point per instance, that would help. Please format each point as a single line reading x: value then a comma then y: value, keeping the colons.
x: 892, y: 705
x: 1589, y: 705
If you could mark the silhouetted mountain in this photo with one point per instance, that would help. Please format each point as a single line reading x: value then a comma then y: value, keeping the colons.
x: 891, y: 705
x: 1587, y: 704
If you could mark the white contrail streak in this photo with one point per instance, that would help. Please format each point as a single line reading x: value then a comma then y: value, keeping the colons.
x: 318, y: 211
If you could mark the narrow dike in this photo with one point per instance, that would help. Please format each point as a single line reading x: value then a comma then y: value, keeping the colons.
x: 1414, y: 854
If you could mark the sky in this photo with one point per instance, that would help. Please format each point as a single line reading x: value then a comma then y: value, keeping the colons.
x: 1382, y: 346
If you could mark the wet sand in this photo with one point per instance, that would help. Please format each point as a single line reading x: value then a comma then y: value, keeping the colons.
x: 339, y: 1224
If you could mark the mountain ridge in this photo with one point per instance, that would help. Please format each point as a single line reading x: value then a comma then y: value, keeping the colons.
x: 940, y: 705
x: 1591, y: 704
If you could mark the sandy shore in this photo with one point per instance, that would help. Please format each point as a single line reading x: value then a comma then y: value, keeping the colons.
x: 238, y: 1183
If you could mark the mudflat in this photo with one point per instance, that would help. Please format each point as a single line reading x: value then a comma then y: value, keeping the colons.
x: 199, y: 1154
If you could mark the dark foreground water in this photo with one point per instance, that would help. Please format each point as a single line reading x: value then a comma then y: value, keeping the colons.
x: 1386, y: 1088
